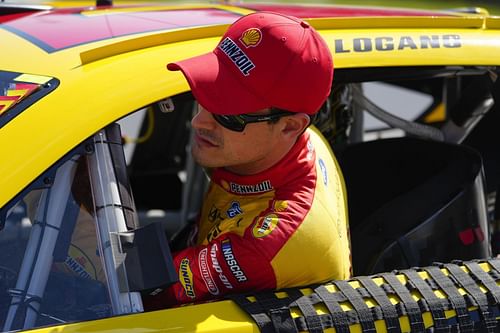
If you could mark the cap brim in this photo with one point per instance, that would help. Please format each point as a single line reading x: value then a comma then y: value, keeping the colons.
x: 215, y: 87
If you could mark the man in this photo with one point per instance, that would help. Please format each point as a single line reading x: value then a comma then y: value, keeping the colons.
x: 274, y: 215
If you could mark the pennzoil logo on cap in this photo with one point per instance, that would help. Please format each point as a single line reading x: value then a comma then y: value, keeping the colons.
x: 237, y: 56
x: 251, y: 37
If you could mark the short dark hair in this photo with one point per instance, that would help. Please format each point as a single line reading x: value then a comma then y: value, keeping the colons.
x: 278, y: 110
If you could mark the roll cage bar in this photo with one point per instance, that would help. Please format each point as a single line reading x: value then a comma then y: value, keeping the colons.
x: 120, y: 241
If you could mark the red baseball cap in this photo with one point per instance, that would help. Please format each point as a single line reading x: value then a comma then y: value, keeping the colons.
x: 263, y: 60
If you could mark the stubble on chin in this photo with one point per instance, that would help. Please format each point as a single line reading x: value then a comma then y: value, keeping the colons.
x: 203, y: 159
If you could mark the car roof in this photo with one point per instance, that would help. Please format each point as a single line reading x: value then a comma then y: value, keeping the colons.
x: 109, y: 61
x: 64, y: 38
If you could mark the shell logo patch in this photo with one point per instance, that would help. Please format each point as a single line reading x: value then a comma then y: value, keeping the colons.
x: 251, y: 37
x: 280, y: 205
x: 225, y: 185
x: 265, y: 225
x: 186, y: 278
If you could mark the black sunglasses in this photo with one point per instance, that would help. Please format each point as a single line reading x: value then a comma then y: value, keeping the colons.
x: 237, y: 123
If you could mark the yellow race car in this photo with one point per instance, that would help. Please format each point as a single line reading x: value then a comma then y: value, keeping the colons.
x: 95, y: 169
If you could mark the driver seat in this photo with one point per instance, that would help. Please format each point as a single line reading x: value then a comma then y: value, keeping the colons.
x: 413, y: 202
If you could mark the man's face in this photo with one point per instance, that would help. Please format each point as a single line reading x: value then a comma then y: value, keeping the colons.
x: 248, y: 152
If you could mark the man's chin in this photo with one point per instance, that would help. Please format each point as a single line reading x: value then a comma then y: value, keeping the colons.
x: 205, y: 162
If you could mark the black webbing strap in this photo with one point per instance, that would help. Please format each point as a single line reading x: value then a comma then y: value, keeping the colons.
x: 278, y: 311
x: 388, y: 310
x: 486, y: 280
x: 363, y: 312
x: 457, y: 300
x: 339, y: 317
x: 468, y: 284
x: 495, y: 264
x: 313, y: 321
x: 255, y: 310
x: 434, y: 304
x: 274, y: 314
x: 410, y: 305
x: 282, y: 320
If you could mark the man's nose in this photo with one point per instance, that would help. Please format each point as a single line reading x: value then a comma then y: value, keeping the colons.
x: 203, y: 119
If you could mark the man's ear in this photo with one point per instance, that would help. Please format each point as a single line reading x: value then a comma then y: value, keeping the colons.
x: 295, y: 125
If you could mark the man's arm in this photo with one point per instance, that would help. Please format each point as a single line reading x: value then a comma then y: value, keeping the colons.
x: 227, y: 264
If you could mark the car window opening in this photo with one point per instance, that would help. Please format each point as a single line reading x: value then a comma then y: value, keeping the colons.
x: 89, y: 192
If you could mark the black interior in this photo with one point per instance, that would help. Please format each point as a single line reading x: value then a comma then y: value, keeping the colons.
x: 412, y: 189
x: 156, y: 162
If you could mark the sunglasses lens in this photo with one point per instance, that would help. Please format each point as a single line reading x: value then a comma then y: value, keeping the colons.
x: 233, y: 123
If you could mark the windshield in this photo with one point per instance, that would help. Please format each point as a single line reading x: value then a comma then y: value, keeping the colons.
x: 38, y: 289
x: 60, y: 258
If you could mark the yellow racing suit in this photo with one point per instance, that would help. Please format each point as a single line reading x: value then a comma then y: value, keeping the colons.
x: 284, y: 227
